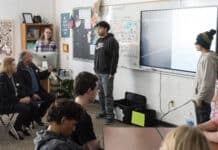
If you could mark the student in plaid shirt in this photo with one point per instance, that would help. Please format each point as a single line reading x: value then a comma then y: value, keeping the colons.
x: 45, y: 43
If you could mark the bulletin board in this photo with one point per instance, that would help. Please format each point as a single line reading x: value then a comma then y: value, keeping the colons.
x: 83, y: 35
x: 6, y: 38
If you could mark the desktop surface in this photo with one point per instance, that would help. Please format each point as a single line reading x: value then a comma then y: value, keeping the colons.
x: 127, y: 138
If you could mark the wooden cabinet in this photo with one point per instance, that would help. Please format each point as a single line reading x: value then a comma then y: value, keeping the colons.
x: 30, y: 33
x: 46, y: 85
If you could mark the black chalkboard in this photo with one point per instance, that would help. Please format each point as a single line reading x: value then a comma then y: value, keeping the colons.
x: 81, y: 43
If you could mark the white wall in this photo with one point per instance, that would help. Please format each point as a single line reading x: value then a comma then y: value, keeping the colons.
x: 173, y: 87
x: 13, y: 9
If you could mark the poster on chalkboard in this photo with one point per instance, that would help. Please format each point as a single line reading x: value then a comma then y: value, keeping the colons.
x: 65, y: 32
x: 84, y: 36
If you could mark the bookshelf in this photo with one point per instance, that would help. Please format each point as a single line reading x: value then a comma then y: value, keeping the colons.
x: 30, y: 33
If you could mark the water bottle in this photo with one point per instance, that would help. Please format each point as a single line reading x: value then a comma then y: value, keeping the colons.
x: 189, y: 118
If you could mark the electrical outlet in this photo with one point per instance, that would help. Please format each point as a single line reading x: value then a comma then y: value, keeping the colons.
x: 172, y: 103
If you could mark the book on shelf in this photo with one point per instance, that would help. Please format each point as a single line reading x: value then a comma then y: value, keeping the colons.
x: 33, y: 33
x: 30, y: 45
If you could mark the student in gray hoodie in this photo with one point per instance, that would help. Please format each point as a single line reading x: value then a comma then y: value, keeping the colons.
x: 62, y: 116
x: 205, y: 76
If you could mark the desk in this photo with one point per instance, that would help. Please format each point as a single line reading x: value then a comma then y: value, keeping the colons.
x: 121, y: 138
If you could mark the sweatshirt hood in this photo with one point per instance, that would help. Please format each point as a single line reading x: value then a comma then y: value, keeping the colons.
x: 42, y: 137
x: 108, y: 36
x: 212, y: 55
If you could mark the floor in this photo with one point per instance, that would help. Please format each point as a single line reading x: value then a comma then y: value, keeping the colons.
x: 8, y: 143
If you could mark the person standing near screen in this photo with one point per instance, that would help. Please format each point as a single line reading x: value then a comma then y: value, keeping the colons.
x: 205, y: 76
x: 105, y: 66
x: 45, y: 43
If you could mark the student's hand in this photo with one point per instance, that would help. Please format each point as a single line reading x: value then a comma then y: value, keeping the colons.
x: 199, y: 103
x: 50, y: 68
x: 110, y: 76
x: 25, y: 100
x: 36, y: 97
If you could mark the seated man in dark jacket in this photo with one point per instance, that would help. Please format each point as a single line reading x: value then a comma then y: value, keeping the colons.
x: 28, y: 75
x: 62, y: 117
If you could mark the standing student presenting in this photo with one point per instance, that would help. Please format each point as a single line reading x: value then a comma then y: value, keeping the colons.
x: 205, y: 76
x: 105, y: 66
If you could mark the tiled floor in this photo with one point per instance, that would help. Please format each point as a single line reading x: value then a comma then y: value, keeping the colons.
x: 8, y: 143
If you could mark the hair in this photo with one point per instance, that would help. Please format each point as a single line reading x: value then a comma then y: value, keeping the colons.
x: 22, y: 55
x: 185, y: 138
x: 205, y: 39
x: 63, y: 107
x: 42, y: 37
x: 83, y: 82
x: 103, y: 24
x: 7, y: 65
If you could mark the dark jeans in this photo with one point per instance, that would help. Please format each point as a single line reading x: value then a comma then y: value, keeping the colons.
x: 46, y: 100
x: 24, y: 115
x: 106, y: 94
x: 203, y: 113
x: 35, y: 116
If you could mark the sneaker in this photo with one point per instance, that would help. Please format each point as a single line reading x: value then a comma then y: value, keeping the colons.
x: 109, y: 121
x: 40, y: 123
x: 26, y: 132
x: 101, y: 115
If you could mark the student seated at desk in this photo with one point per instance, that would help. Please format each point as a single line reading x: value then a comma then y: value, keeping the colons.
x: 185, y: 138
x: 28, y: 75
x: 62, y: 117
x: 85, y: 89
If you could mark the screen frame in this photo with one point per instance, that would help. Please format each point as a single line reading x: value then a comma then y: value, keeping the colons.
x: 141, y: 13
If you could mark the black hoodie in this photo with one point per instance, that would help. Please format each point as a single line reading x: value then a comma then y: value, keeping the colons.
x: 47, y: 140
x: 106, y: 55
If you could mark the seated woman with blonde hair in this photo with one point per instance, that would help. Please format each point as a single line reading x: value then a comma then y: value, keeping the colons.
x: 9, y: 101
x: 185, y: 138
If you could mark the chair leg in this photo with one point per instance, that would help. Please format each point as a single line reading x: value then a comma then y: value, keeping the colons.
x: 2, y: 121
x: 9, y: 126
x: 13, y: 130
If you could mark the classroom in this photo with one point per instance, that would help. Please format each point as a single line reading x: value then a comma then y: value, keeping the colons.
x: 108, y: 74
